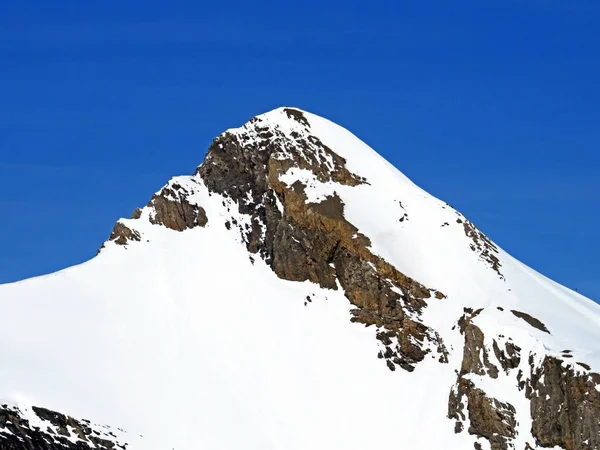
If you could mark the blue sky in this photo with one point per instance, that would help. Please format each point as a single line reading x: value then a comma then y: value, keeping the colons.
x: 493, y: 106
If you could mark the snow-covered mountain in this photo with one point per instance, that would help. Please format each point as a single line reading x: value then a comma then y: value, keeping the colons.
x: 297, y: 292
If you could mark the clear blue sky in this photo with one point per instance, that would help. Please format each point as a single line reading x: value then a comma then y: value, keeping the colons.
x: 493, y: 106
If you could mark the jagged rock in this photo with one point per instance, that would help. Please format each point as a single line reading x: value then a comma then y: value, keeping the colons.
x: 482, y: 245
x: 535, y: 323
x: 61, y: 432
x: 475, y: 355
x: 491, y: 419
x: 565, y: 406
x: 488, y: 417
x: 466, y: 318
x: 172, y: 208
x: 510, y: 357
x: 122, y: 234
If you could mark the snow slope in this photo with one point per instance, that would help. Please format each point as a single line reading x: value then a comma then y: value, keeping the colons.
x: 185, y: 343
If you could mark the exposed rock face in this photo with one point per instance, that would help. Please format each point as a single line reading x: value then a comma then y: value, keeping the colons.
x: 475, y: 356
x: 565, y: 406
x: 488, y: 417
x: 122, y: 234
x: 303, y: 240
x: 55, y: 432
x: 509, y: 357
x: 173, y: 209
x: 491, y: 419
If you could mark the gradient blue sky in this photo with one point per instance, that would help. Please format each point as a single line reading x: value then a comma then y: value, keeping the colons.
x: 493, y: 106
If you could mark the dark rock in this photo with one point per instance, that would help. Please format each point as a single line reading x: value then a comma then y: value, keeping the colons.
x: 137, y: 213
x: 585, y: 366
x: 172, y: 208
x: 475, y: 355
x: 565, y: 406
x: 491, y: 419
x: 482, y: 245
x: 297, y: 116
x: 488, y: 417
x: 510, y: 357
x: 535, y: 323
x: 17, y: 434
x: 122, y: 234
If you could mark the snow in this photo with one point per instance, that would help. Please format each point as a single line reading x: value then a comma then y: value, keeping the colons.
x: 181, y: 339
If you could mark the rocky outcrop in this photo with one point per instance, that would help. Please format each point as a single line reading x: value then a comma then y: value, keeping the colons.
x: 535, y: 323
x: 564, y: 403
x: 53, y: 431
x: 509, y: 357
x: 303, y: 240
x: 565, y: 406
x: 173, y: 208
x: 488, y: 417
x: 491, y: 419
x: 122, y: 234
x: 481, y: 244
x: 476, y: 358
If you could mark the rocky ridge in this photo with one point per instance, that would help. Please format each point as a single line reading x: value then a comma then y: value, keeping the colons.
x: 41, y: 429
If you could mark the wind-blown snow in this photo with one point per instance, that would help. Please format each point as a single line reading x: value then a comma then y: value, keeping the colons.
x: 181, y: 339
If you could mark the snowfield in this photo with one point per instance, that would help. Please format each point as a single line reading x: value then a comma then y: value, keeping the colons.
x: 185, y: 343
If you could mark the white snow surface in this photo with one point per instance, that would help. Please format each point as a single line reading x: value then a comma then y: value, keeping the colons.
x: 185, y: 343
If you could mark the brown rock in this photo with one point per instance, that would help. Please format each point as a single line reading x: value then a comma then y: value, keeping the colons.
x: 565, y: 406
x: 475, y: 355
x: 491, y: 419
x: 173, y: 209
x: 535, y: 323
x: 122, y: 234
x: 510, y: 357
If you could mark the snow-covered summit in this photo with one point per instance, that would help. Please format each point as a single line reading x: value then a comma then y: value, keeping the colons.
x: 297, y: 291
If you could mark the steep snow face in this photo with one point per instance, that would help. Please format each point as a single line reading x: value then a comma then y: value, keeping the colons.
x: 184, y: 339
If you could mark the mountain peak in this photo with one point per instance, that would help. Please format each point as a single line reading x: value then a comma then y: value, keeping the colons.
x: 296, y: 267
x: 284, y: 117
